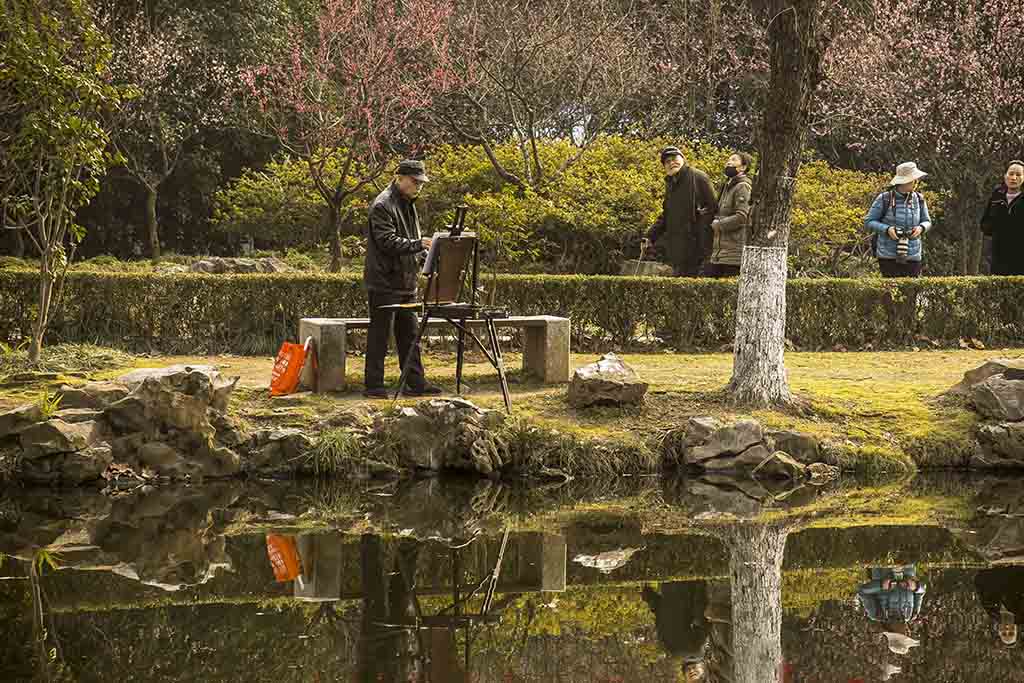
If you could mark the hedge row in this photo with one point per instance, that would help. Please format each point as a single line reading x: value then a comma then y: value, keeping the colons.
x: 250, y: 314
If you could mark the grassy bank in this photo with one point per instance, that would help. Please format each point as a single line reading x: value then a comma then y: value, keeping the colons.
x: 876, y: 412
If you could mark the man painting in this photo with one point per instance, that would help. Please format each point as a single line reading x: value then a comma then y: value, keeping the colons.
x: 393, y: 251
x: 684, y: 227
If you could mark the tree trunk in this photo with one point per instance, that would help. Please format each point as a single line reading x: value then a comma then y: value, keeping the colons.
x: 334, y: 230
x: 963, y: 209
x: 152, y: 229
x: 19, y: 244
x: 759, y: 368
x: 42, y: 317
x: 797, y: 50
x: 755, y: 565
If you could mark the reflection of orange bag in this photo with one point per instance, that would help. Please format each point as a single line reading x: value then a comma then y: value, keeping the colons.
x: 284, y: 379
x: 284, y: 557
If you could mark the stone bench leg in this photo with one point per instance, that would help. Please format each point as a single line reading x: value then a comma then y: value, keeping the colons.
x: 331, y: 351
x: 546, y: 351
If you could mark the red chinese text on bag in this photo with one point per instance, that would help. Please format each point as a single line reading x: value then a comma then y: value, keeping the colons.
x: 284, y: 379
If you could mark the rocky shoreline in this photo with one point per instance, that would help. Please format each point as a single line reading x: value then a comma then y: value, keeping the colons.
x: 172, y: 424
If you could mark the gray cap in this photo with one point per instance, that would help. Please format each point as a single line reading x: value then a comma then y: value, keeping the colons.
x: 414, y: 169
x: 669, y: 152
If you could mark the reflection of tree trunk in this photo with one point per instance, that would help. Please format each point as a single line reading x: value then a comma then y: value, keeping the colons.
x: 755, y: 565
x: 151, y: 225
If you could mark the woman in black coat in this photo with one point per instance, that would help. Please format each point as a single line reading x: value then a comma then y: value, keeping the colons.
x: 1004, y: 222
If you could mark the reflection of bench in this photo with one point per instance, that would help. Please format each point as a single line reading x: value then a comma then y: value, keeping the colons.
x: 545, y: 346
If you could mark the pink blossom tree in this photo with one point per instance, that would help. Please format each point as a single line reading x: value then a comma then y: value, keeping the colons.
x: 180, y: 89
x: 940, y: 84
x: 355, y: 85
x: 534, y: 69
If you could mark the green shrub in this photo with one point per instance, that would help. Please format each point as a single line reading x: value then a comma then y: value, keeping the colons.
x: 252, y: 314
x: 280, y: 206
x: 586, y: 220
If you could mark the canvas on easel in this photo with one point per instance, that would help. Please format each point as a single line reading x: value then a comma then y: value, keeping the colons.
x: 445, y: 266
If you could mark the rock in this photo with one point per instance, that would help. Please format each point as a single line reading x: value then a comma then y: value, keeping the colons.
x: 445, y: 434
x: 91, y: 396
x: 820, y: 473
x: 68, y: 469
x: 608, y: 561
x: 167, y: 461
x: 646, y: 268
x: 344, y: 418
x: 195, y: 380
x: 277, y: 452
x: 228, y: 432
x: 76, y: 415
x: 608, y: 381
x: 999, y: 446
x: 780, y: 466
x: 999, y: 398
x: 16, y: 421
x: 698, y: 429
x: 170, y: 268
x: 726, y: 441
x: 995, y: 366
x: 801, y: 447
x: 746, y: 461
x: 57, y: 436
x: 217, y: 265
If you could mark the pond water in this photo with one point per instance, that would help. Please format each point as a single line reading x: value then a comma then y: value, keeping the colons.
x: 643, y: 580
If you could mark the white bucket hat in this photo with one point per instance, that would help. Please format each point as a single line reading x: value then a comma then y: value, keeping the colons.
x: 907, y: 172
x: 898, y: 643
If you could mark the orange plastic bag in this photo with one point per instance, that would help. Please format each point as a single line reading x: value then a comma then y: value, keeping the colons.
x: 284, y: 557
x: 284, y: 379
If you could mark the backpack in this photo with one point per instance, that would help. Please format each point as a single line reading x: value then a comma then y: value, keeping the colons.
x: 889, y: 201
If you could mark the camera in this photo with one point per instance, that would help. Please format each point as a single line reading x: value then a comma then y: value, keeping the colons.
x: 902, y: 242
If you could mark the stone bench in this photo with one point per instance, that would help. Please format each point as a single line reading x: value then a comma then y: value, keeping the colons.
x: 545, y: 347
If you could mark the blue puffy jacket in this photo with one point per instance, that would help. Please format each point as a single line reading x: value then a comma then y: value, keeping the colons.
x: 892, y: 208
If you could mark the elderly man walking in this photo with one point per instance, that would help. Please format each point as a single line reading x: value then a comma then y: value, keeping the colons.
x: 689, y: 206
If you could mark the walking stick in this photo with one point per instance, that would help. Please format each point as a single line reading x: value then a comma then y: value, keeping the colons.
x: 643, y: 250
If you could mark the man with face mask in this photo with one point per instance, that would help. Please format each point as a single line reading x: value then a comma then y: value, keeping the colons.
x: 683, y: 229
x: 729, y: 229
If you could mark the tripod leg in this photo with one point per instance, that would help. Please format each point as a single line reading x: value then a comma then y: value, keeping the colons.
x: 499, y: 364
x: 408, y: 356
x: 460, y: 352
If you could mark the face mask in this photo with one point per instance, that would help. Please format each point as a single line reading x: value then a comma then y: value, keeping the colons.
x: 731, y: 172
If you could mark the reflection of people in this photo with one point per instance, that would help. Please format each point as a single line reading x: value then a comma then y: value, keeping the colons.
x: 1001, y: 591
x: 1004, y: 222
x: 393, y: 247
x: 681, y: 624
x: 730, y: 225
x: 689, y: 205
x: 893, y: 597
x: 388, y: 650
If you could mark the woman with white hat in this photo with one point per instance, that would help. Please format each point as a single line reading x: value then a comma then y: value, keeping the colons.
x: 898, y: 218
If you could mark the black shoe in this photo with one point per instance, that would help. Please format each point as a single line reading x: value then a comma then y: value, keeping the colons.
x: 376, y: 392
x: 425, y: 390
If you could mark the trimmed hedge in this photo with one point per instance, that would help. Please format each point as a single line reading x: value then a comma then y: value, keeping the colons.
x: 251, y: 314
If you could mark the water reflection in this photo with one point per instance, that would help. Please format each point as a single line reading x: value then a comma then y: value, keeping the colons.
x: 694, y: 581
